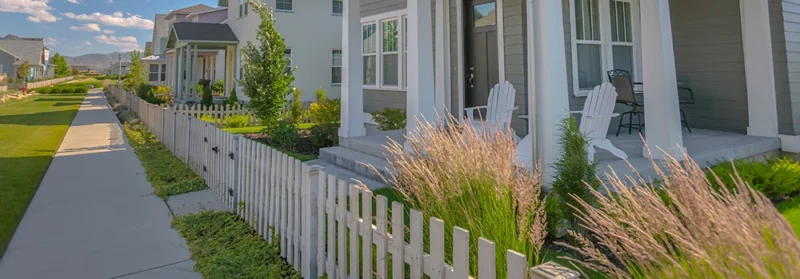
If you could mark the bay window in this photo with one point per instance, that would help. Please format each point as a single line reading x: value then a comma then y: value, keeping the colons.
x: 384, y: 50
x: 605, y: 37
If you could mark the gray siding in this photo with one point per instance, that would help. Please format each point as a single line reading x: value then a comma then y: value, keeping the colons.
x: 790, y: 29
x: 782, y: 87
x: 7, y: 62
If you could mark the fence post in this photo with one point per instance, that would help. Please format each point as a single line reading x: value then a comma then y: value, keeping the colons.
x: 236, y: 165
x: 188, y: 138
x: 308, y: 246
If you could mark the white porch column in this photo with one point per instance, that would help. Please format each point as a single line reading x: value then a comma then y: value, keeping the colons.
x: 178, y: 92
x: 195, y: 69
x: 352, y: 72
x: 761, y: 102
x: 420, y: 92
x: 662, y: 120
x: 548, y: 102
x: 441, y: 55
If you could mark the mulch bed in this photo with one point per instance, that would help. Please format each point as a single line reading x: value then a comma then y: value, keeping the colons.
x: 303, y: 146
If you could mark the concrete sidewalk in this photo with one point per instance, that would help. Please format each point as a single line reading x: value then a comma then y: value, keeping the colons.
x: 95, y: 215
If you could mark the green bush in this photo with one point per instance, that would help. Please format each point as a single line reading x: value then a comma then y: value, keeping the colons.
x: 325, y: 110
x: 285, y: 133
x: 143, y: 91
x: 390, y: 119
x: 776, y: 179
x: 208, y: 98
x: 296, y: 107
x: 232, y: 99
x: 219, y: 86
x: 205, y: 83
x: 237, y: 121
x: 324, y: 135
x: 44, y: 90
x: 573, y: 173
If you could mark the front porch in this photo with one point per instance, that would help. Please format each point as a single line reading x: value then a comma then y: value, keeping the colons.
x: 706, y: 147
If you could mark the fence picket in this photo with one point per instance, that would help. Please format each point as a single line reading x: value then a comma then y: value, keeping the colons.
x: 437, y: 248
x: 517, y: 265
x: 415, y: 224
x: 460, y: 253
x: 486, y: 259
x: 352, y: 222
x: 398, y: 244
x: 381, y: 221
x: 289, y: 233
x: 298, y: 212
x: 341, y: 215
x: 366, y: 233
x: 333, y: 216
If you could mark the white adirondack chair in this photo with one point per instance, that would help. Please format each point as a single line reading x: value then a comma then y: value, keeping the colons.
x: 499, y: 108
x: 596, y: 117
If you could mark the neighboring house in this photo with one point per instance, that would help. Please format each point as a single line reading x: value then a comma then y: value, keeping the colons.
x: 84, y: 69
x: 554, y: 52
x: 312, y: 33
x: 115, y: 69
x: 14, y: 51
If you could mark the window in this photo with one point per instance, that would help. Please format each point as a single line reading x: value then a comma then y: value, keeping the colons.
x: 287, y: 54
x: 283, y: 5
x: 154, y: 73
x: 163, y: 72
x: 338, y: 7
x: 369, y: 50
x: 243, y: 7
x: 336, y: 69
x: 604, y: 39
x: 384, y: 50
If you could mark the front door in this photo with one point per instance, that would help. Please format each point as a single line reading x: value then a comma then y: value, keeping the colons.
x: 481, y: 50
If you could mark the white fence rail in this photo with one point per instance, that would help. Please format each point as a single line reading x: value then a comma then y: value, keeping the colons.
x: 218, y: 113
x: 307, y: 209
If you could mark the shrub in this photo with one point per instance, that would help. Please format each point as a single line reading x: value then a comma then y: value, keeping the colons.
x: 472, y: 183
x: 776, y: 179
x: 208, y: 118
x: 143, y: 91
x: 390, y: 119
x: 296, y: 108
x: 698, y: 232
x: 205, y: 83
x: 44, y: 90
x: 573, y: 173
x: 324, y: 135
x: 237, y: 121
x: 162, y: 95
x: 324, y: 110
x: 233, y: 99
x: 219, y: 86
x: 207, y: 98
x: 285, y: 133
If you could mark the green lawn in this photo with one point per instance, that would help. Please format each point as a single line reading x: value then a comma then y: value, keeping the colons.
x: 257, y: 129
x: 791, y: 210
x: 31, y: 131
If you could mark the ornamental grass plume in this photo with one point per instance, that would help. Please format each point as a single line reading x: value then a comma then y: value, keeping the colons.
x: 684, y: 229
x: 469, y: 178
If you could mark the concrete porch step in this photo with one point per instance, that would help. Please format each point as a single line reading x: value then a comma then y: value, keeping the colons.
x: 347, y: 175
x: 357, y: 162
x: 373, y: 144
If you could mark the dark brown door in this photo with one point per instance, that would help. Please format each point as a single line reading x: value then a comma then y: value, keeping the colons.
x: 481, y: 50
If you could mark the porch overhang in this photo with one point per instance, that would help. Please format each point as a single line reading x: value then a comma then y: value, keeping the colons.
x: 207, y: 36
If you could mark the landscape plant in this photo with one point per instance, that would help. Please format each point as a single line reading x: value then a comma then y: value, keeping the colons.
x: 575, y: 177
x: 60, y: 66
x: 324, y: 135
x: 266, y: 81
x: 296, y: 107
x: 470, y: 179
x: 284, y: 133
x: 23, y: 71
x: 219, y: 86
x: 136, y: 72
x: 207, y: 98
x: 233, y: 99
x: 778, y: 179
x: 324, y: 110
x: 237, y: 121
x: 685, y: 229
x: 390, y: 119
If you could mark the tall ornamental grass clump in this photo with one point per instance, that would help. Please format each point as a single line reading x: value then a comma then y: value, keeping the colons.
x: 470, y: 180
x: 685, y: 229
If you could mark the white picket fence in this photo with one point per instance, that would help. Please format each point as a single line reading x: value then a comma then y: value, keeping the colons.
x: 218, y: 113
x: 307, y: 210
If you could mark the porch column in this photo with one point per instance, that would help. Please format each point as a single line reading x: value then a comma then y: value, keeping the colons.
x: 178, y: 78
x: 548, y: 102
x: 760, y: 74
x: 662, y: 120
x: 195, y: 68
x: 442, y: 79
x: 352, y: 72
x: 420, y: 93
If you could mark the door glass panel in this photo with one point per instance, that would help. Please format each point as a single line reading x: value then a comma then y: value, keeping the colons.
x: 623, y: 59
x: 589, y: 66
x: 485, y: 15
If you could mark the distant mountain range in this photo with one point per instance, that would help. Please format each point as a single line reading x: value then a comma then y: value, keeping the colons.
x: 96, y: 61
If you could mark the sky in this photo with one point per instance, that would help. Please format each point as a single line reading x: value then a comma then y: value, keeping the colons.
x: 77, y: 27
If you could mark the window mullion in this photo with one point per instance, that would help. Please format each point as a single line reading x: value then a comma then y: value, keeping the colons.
x: 379, y: 54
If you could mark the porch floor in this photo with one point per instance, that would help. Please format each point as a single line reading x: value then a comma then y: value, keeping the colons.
x: 706, y: 147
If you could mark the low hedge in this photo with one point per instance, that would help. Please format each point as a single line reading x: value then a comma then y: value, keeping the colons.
x: 78, y: 87
x: 777, y: 179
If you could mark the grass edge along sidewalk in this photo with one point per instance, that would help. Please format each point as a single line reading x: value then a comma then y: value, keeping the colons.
x: 31, y: 131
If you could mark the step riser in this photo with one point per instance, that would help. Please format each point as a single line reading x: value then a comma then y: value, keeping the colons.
x: 370, y: 149
x: 354, y: 166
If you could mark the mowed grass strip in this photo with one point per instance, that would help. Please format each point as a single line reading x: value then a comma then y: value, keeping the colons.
x: 31, y: 130
x: 169, y: 175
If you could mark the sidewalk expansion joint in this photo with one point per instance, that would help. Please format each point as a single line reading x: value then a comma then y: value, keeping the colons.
x: 150, y: 269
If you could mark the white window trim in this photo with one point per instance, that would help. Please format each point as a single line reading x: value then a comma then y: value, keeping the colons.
x: 243, y: 8
x: 341, y: 71
x: 378, y: 19
x: 335, y: 13
x: 606, y: 44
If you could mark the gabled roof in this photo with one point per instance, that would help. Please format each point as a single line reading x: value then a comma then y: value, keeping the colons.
x: 201, y: 32
x: 187, y: 10
x: 26, y: 49
x: 206, y: 11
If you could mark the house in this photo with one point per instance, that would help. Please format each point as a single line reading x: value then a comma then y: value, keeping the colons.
x: 312, y: 33
x: 116, y: 69
x: 15, y: 50
x: 84, y: 69
x: 443, y: 55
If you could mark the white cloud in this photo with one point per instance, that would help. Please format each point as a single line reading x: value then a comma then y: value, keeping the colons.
x: 51, y: 42
x: 38, y: 10
x: 88, y: 43
x: 89, y: 27
x: 110, y: 1
x: 126, y: 43
x: 108, y: 31
x: 74, y: 1
x: 115, y: 19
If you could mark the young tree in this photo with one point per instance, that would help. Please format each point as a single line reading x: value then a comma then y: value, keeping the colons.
x: 76, y: 72
x: 24, y: 71
x: 136, y: 72
x: 266, y: 81
x: 61, y: 68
